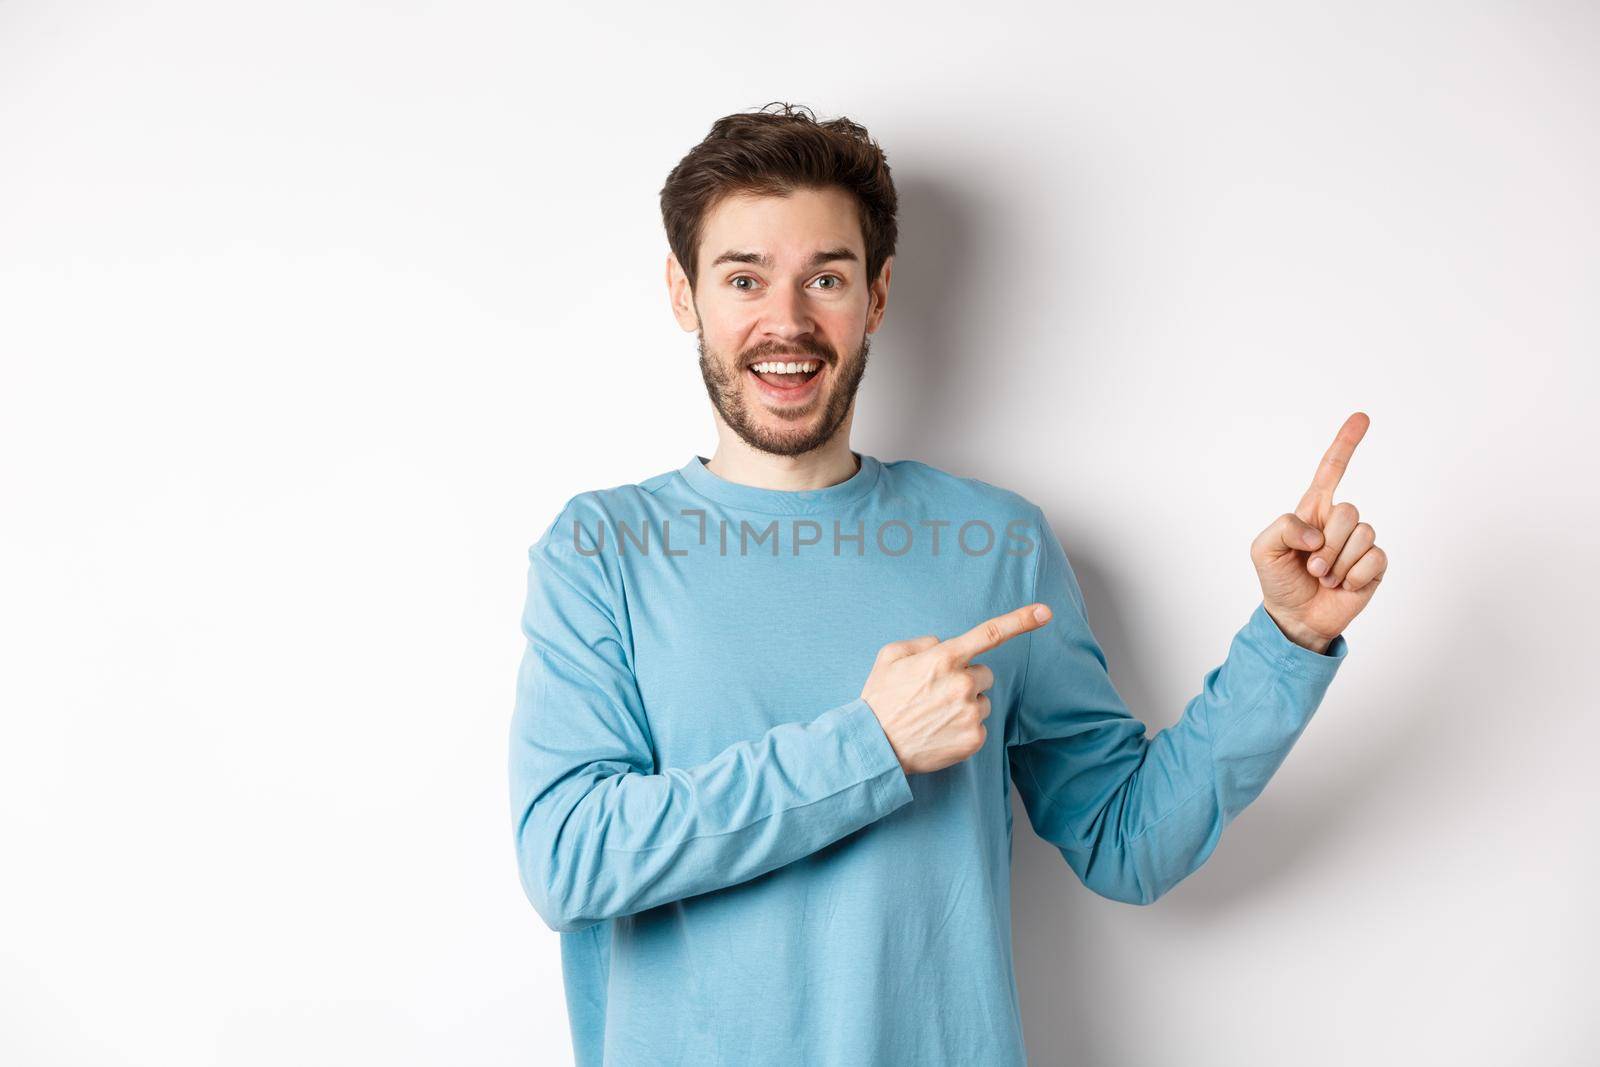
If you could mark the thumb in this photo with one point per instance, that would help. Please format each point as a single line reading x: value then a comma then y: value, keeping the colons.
x: 1288, y: 533
x: 909, y: 647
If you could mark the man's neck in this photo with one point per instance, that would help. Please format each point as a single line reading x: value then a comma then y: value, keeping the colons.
x: 817, y: 469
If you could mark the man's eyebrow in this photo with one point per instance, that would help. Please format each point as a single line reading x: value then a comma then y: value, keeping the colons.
x: 761, y: 259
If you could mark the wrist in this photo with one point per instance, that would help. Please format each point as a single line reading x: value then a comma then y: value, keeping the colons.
x: 1301, y: 635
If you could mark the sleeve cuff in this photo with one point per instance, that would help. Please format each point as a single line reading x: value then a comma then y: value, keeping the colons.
x: 872, y: 755
x: 1303, y: 661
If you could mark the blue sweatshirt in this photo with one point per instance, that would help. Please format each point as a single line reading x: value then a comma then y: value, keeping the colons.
x: 714, y: 820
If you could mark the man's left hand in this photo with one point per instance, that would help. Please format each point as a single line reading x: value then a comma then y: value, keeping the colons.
x: 1319, y: 565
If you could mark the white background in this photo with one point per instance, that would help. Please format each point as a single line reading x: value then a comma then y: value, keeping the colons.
x: 313, y: 314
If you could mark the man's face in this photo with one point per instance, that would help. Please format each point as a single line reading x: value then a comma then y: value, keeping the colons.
x: 783, y: 280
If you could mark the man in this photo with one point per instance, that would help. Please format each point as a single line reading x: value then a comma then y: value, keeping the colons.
x: 772, y: 703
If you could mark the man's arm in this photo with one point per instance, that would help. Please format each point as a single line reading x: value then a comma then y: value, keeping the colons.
x: 1133, y: 816
x: 599, y: 830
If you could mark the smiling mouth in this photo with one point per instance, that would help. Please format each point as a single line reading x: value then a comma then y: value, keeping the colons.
x: 786, y: 373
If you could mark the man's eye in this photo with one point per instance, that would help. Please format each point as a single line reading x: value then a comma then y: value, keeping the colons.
x: 737, y: 278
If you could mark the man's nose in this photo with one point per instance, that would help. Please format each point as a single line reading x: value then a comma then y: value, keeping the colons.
x: 786, y: 315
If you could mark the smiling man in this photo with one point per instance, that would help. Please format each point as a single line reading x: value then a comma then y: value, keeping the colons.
x: 773, y: 702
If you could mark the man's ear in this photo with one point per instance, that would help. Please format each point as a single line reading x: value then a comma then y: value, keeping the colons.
x: 879, y: 298
x: 681, y: 295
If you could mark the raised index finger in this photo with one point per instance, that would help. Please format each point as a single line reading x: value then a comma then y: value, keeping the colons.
x: 996, y: 631
x: 1333, y: 465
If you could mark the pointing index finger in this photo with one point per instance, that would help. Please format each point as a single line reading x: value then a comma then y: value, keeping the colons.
x: 1333, y: 465
x: 996, y: 631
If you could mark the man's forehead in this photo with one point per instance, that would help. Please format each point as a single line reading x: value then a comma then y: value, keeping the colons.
x: 809, y: 226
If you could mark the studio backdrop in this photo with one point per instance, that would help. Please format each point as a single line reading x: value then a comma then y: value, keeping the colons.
x: 312, y: 316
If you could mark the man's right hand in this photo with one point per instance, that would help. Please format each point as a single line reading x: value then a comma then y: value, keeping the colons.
x: 930, y: 699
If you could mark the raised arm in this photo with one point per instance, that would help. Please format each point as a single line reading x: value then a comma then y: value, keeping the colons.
x: 1134, y: 815
x: 600, y: 830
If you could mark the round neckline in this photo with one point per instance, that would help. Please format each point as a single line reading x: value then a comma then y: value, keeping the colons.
x: 781, y: 501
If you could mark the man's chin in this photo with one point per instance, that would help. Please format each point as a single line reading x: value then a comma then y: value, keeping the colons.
x: 787, y: 418
x: 790, y: 435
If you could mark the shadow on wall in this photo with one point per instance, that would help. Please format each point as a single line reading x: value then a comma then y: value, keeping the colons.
x: 1066, y: 993
x: 934, y: 361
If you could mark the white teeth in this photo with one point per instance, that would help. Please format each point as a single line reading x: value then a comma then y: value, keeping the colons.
x: 806, y: 366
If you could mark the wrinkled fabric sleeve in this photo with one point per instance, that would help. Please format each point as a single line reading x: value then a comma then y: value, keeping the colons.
x: 1134, y: 815
x: 599, y: 830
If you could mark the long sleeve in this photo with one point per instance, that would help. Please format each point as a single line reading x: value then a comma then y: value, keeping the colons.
x: 600, y: 831
x: 1134, y: 815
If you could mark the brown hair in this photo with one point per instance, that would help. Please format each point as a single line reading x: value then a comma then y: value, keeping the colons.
x: 774, y: 153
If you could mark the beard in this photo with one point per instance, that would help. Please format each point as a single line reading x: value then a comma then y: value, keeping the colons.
x: 725, y: 385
